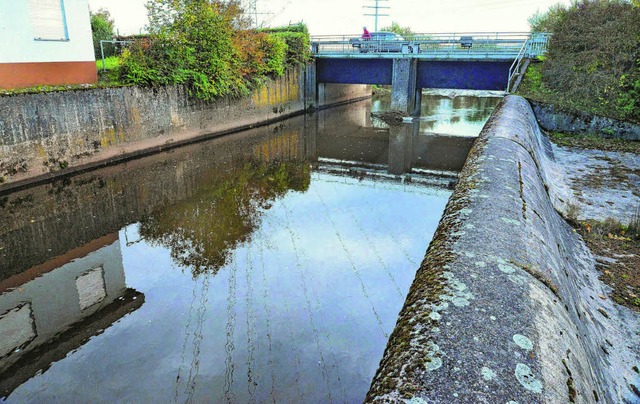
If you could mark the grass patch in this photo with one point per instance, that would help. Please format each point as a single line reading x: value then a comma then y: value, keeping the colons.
x: 109, y: 76
x: 595, y: 142
x: 110, y: 63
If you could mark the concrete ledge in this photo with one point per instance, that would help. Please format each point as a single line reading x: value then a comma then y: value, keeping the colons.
x: 506, y: 305
x: 555, y: 119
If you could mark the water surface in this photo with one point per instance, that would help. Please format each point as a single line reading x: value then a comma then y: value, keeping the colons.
x: 265, y: 266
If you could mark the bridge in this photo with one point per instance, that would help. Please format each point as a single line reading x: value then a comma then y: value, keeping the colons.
x: 469, y: 60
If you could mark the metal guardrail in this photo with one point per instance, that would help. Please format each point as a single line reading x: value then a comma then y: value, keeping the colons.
x: 456, y: 45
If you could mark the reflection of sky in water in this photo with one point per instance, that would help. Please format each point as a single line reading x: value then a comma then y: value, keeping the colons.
x: 302, y: 312
x: 452, y: 112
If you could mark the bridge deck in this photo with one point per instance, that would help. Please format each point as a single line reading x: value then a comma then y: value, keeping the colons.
x: 451, y: 46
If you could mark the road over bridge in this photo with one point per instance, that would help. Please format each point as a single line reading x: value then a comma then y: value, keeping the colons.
x: 472, y: 61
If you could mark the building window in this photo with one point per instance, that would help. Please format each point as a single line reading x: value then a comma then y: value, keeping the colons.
x: 48, y: 20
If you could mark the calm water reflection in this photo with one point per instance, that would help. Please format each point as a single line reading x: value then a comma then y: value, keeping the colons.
x: 452, y: 112
x: 265, y: 266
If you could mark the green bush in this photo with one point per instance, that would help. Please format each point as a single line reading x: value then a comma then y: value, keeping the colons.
x: 102, y: 29
x: 208, y: 46
x: 196, y: 49
x: 593, y: 62
x: 296, y: 36
x: 299, y: 27
x: 298, y: 47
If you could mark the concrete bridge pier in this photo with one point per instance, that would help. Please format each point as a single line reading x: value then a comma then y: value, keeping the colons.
x: 405, y: 93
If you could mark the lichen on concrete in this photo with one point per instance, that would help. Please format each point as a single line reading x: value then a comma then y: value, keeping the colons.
x: 507, y: 286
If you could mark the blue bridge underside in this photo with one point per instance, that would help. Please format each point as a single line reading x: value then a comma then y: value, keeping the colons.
x: 467, y: 75
x: 472, y: 75
x: 354, y: 71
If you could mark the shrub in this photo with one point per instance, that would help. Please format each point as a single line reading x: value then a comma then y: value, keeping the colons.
x: 296, y: 37
x: 207, y: 45
x: 299, y: 27
x: 298, y: 47
x: 593, y: 60
x: 193, y: 45
x: 261, y: 54
x: 102, y: 29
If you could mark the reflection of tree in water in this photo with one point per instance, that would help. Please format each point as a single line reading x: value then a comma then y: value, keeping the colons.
x: 203, y: 230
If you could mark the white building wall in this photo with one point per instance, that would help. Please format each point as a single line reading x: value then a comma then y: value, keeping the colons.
x: 19, y: 45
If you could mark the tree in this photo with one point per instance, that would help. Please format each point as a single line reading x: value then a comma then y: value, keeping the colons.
x: 395, y: 27
x: 102, y: 26
x: 206, y: 45
x: 548, y: 20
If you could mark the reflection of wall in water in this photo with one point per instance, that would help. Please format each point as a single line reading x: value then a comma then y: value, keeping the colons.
x: 400, y: 148
x: 48, y: 220
x: 41, y: 303
x: 347, y: 134
x: 466, y: 113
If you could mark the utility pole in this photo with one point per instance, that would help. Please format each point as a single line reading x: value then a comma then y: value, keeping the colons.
x: 376, y: 11
x: 251, y: 9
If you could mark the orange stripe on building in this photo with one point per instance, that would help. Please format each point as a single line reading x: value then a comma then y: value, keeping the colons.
x: 20, y: 75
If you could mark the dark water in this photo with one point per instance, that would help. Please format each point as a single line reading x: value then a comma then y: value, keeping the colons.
x: 265, y: 266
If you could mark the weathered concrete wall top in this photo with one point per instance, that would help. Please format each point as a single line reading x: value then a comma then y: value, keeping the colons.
x: 506, y: 306
x: 46, y: 133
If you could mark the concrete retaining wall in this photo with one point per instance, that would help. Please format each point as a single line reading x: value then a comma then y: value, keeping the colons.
x: 48, y: 133
x: 507, y: 306
x: 580, y: 123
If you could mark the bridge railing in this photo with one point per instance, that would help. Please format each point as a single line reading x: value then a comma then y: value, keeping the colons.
x: 435, y: 45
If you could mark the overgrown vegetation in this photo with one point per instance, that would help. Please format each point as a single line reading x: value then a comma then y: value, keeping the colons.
x: 102, y: 29
x: 621, y: 244
x: 209, y: 47
x: 593, y: 62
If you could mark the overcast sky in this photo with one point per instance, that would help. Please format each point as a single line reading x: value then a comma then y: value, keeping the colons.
x: 325, y: 17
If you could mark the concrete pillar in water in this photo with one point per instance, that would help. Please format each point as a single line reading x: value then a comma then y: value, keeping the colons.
x: 401, y: 139
x: 405, y: 93
x: 310, y: 86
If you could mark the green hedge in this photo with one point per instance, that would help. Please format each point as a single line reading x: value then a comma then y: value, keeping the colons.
x: 204, y: 46
x: 593, y: 62
x: 299, y: 27
x: 298, y: 47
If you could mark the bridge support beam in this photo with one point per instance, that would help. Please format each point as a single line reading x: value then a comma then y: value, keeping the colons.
x: 404, y: 86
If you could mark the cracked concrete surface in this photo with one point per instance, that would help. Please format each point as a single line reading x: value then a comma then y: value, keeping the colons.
x: 528, y: 326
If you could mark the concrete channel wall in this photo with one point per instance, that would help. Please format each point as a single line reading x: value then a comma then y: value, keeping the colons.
x: 47, y: 134
x: 555, y: 119
x: 507, y: 306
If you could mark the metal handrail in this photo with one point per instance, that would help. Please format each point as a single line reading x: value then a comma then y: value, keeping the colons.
x: 516, y: 63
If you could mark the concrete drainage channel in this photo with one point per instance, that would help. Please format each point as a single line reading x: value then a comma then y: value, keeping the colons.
x: 507, y: 306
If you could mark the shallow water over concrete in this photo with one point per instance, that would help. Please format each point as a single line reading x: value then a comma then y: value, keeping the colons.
x: 265, y: 266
